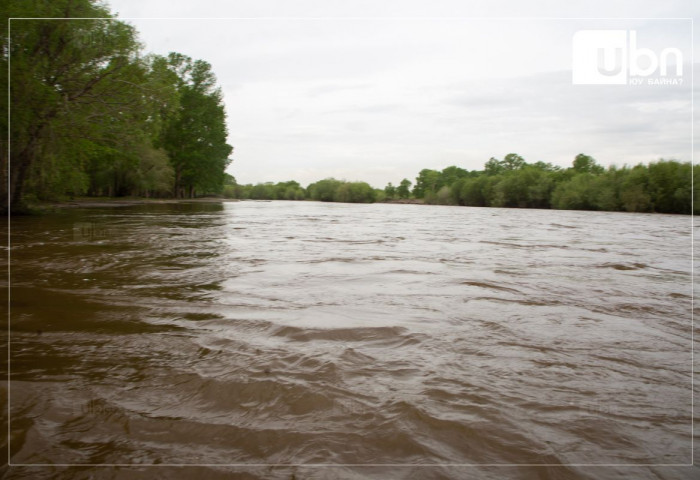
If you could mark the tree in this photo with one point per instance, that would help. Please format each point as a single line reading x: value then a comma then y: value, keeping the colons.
x: 404, y: 189
x: 575, y: 194
x: 426, y: 181
x: 78, y: 81
x: 513, y: 161
x: 547, y: 167
x: 390, y: 191
x: 606, y: 189
x: 634, y: 193
x: 354, y: 192
x: 528, y: 187
x: 323, y: 190
x: 586, y: 164
x: 477, y: 191
x: 670, y: 186
x: 510, y: 162
x: 195, y: 136
x: 449, y: 176
x: 493, y: 167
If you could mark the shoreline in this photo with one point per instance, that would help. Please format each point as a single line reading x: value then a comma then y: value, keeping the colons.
x: 41, y: 208
x: 98, y: 202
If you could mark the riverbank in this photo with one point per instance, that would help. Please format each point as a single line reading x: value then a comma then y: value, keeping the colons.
x: 96, y: 202
x: 406, y: 201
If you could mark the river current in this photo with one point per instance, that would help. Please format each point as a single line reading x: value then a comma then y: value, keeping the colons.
x: 312, y: 340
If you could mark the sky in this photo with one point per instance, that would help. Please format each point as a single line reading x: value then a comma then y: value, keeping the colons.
x: 376, y: 91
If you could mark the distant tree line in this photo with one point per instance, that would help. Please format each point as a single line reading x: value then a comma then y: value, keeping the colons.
x: 327, y: 190
x: 91, y: 114
x: 664, y: 186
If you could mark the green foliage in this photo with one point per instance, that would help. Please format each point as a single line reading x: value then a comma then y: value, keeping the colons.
x: 195, y: 135
x: 90, y: 114
x: 512, y: 161
x: 575, y: 194
x: 390, y: 191
x: 354, y: 192
x: 426, y: 181
x: 586, y: 164
x: 475, y: 192
x: 669, y: 186
x: 441, y: 197
x: 323, y: 190
x: 449, y: 176
x: 635, y: 190
x: 71, y: 82
x: 404, y: 189
x: 663, y: 186
x: 327, y: 190
x: 430, y: 183
x: 332, y: 190
x: 379, y: 195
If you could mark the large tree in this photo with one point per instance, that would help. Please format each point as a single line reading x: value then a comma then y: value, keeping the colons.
x: 195, y: 135
x: 76, y: 86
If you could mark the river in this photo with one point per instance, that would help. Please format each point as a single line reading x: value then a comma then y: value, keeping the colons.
x: 313, y: 340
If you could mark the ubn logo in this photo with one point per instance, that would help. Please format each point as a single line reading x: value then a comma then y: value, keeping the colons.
x: 611, y: 57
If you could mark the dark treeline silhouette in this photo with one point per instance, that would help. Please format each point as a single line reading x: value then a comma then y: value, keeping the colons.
x: 664, y: 186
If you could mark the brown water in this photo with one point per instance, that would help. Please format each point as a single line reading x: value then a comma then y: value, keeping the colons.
x: 283, y: 334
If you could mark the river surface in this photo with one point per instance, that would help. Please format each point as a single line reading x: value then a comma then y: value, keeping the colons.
x: 311, y: 340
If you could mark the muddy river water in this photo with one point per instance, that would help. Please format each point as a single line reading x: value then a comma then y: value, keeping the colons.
x: 312, y: 340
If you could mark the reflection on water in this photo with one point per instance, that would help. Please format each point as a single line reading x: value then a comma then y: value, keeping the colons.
x: 307, y: 333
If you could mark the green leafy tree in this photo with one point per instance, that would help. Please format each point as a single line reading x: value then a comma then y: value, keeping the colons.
x: 670, y: 186
x: 427, y: 181
x: 547, y: 167
x: 195, y: 136
x: 323, y: 190
x: 634, y: 193
x: 476, y: 192
x: 404, y: 189
x: 575, y: 194
x: 354, y: 192
x: 450, y: 175
x: 390, y: 191
x: 510, y: 162
x: 493, y: 167
x: 586, y: 164
x: 513, y: 161
x: 606, y: 189
x: 78, y: 81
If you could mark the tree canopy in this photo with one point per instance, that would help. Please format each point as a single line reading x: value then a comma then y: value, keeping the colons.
x: 91, y: 114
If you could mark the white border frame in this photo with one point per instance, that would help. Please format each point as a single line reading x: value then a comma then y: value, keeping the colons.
x: 315, y: 465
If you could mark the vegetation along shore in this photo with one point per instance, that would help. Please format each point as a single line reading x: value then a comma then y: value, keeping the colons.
x: 94, y: 115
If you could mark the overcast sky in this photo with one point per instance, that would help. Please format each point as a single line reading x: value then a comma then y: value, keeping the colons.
x: 378, y: 90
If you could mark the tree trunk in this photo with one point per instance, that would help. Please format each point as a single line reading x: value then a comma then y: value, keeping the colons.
x: 19, y: 164
x: 19, y: 168
x: 176, y: 185
x: 3, y: 177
